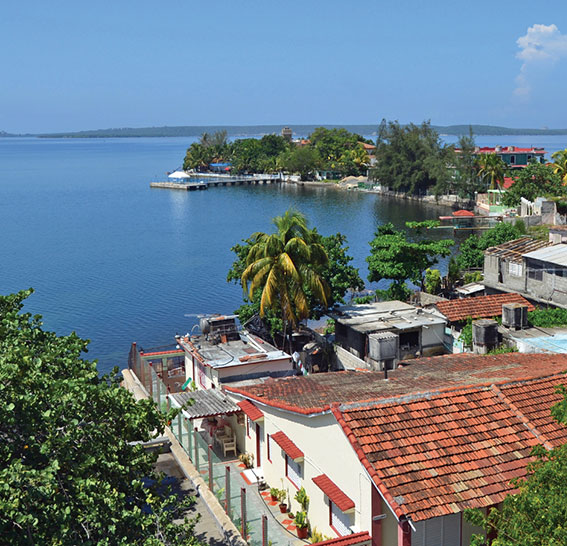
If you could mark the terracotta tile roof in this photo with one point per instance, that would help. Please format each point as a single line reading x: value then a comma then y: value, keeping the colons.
x: 287, y: 445
x: 513, y: 250
x: 533, y: 400
x: 317, y: 392
x: 480, y: 307
x: 463, y: 213
x: 332, y: 491
x: 349, y: 540
x: 250, y: 410
x: 437, y: 455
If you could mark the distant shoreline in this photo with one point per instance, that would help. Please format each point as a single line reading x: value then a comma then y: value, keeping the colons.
x: 243, y: 131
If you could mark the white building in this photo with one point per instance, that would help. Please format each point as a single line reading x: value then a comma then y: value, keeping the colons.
x: 402, y: 458
x: 223, y: 354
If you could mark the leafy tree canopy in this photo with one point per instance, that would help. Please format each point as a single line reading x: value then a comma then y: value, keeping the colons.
x: 70, y: 472
x: 304, y: 160
x: 535, y: 180
x: 471, y: 251
x: 492, y: 169
x: 338, y: 274
x: 560, y: 164
x: 395, y: 256
x: 536, y: 515
x: 467, y: 180
x: 412, y: 158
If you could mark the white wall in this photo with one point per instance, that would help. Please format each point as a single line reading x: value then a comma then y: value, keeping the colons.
x: 327, y: 451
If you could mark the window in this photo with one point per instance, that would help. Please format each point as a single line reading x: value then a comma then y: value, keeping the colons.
x: 535, y: 271
x: 338, y: 520
x: 512, y: 159
x: 293, y: 471
x: 515, y: 269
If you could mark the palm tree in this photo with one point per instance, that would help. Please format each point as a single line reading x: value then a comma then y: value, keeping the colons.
x: 560, y: 164
x: 491, y: 167
x: 285, y: 265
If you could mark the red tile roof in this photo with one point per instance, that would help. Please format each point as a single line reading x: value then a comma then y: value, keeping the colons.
x: 317, y: 392
x: 287, y: 445
x: 463, y: 213
x: 349, y: 540
x: 250, y: 410
x: 439, y: 454
x: 480, y: 307
x: 332, y: 491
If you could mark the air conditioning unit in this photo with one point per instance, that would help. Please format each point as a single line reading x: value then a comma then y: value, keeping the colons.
x: 515, y: 316
x: 383, y: 346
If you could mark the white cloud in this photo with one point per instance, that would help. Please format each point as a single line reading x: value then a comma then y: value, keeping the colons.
x: 541, y: 45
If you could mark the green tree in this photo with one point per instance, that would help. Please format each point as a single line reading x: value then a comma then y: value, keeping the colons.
x: 304, y: 160
x: 72, y: 469
x: 536, y: 514
x: 282, y: 265
x: 467, y: 182
x: 396, y: 257
x: 560, y: 164
x: 492, y: 169
x: 471, y: 251
x: 333, y: 143
x: 535, y: 180
x: 412, y: 159
x: 432, y: 281
x: 198, y: 157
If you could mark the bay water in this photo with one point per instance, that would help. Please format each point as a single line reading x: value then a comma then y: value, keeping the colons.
x: 118, y: 262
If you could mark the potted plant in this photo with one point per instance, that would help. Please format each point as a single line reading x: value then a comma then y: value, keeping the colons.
x: 274, y: 493
x: 302, y: 498
x: 281, y: 497
x: 302, y: 525
x: 247, y: 459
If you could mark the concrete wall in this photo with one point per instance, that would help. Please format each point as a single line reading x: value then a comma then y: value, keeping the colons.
x: 552, y: 287
x: 348, y: 361
x: 327, y: 451
x: 432, y: 339
x: 253, y: 369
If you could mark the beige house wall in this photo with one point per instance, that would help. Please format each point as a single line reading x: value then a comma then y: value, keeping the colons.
x: 327, y: 451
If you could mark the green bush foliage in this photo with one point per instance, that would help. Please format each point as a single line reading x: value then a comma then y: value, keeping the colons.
x: 548, y: 318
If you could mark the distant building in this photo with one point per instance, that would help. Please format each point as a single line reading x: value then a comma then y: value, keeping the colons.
x: 287, y: 133
x: 513, y: 156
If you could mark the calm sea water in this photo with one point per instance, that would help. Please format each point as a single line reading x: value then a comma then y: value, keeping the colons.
x: 118, y: 262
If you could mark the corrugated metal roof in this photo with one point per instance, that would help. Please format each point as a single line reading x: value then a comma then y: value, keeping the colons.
x: 205, y: 403
x: 556, y: 254
x: 514, y: 250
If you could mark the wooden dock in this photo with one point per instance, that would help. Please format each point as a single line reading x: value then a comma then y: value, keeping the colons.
x: 191, y: 186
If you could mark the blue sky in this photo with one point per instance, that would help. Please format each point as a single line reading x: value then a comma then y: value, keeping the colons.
x: 71, y: 65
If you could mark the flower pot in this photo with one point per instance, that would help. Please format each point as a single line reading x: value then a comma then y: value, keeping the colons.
x: 273, y: 497
x: 302, y: 532
x: 283, y: 508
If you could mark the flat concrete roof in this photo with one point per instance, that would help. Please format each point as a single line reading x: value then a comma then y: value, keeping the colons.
x: 386, y: 315
x: 248, y: 349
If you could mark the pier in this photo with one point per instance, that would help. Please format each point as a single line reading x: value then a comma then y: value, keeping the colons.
x: 206, y: 180
x: 190, y: 186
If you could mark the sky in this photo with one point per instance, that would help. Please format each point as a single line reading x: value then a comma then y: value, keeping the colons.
x: 72, y: 65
